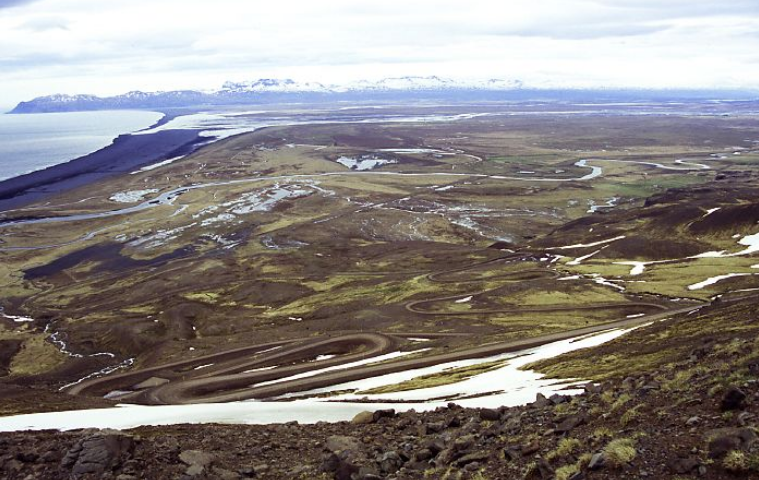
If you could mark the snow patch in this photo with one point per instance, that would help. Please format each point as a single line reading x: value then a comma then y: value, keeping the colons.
x: 131, y: 196
x: 718, y: 278
x: 363, y: 164
x: 16, y: 318
x: 587, y: 245
x: 579, y: 260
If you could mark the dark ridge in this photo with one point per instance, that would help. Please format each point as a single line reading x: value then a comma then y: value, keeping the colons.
x: 110, y: 258
x: 728, y: 219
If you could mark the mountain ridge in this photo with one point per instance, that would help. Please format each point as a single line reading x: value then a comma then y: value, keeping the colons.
x: 406, y: 88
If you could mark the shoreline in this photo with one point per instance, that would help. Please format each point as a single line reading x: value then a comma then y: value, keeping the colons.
x: 125, y: 154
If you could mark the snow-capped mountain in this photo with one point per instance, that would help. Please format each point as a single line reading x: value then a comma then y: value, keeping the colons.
x: 63, y: 98
x: 433, y: 83
x: 396, y: 90
x: 274, y: 85
x: 268, y: 90
x: 385, y: 84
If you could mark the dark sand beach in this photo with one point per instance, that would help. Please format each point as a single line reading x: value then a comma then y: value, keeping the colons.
x: 126, y: 154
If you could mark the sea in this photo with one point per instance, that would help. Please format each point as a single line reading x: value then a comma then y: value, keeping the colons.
x: 32, y: 142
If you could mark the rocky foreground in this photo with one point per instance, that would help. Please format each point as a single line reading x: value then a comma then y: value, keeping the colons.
x: 695, y: 418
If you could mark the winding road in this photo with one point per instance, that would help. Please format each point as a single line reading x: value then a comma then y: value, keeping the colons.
x: 273, y: 369
x: 226, y: 381
x: 269, y: 370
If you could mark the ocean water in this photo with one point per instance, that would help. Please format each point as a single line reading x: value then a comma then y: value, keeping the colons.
x: 33, y: 142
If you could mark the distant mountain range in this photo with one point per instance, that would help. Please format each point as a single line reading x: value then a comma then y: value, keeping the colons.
x: 399, y: 89
x: 386, y: 84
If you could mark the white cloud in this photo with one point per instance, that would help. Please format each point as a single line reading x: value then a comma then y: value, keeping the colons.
x: 109, y: 47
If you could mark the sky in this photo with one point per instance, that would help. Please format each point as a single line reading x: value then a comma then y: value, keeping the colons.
x: 114, y: 46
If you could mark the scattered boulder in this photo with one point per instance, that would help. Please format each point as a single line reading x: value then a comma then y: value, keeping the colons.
x: 96, y: 454
x: 512, y: 424
x: 454, y: 422
x: 593, y: 388
x: 542, y: 471
x: 247, y: 472
x: 541, y: 401
x: 367, y: 472
x: 345, y: 455
x: 445, y: 457
x: 197, y: 462
x: 27, y: 457
x: 390, y: 462
x: 734, y: 399
x: 364, y: 418
x: 464, y: 443
x: 423, y: 455
x: 512, y: 454
x: 342, y: 469
x: 628, y: 383
x: 568, y: 423
x: 124, y: 476
x: 597, y: 461
x: 530, y: 448
x: 693, y: 421
x: 683, y: 465
x: 224, y: 474
x: 340, y: 443
x: 479, y: 457
x: 489, y: 414
x: 744, y: 418
x: 367, y: 417
x: 726, y: 440
x: 432, y: 427
x: 196, y: 457
x: 386, y: 413
x: 557, y: 399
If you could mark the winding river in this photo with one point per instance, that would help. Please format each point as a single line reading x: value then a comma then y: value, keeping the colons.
x: 168, y: 198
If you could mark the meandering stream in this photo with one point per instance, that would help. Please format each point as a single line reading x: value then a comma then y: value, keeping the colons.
x: 168, y: 198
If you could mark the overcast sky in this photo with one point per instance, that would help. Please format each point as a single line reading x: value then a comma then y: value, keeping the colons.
x: 113, y: 46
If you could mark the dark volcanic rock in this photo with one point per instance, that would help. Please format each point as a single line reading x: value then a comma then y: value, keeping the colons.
x: 557, y: 399
x: 490, y: 414
x: 342, y: 443
x: 479, y: 457
x: 569, y: 423
x: 390, y: 462
x: 530, y: 448
x: 683, y: 464
x: 541, y: 401
x: 734, y: 399
x: 98, y: 453
x: 597, y: 461
x: 386, y: 413
x: 727, y: 439
x: 542, y: 471
x: 512, y: 454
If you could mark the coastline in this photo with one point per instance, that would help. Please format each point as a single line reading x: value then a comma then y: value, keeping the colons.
x: 127, y: 153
